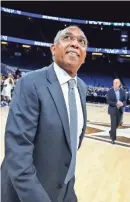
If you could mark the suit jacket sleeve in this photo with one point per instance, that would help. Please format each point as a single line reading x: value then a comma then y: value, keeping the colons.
x: 111, y: 103
x: 20, y: 133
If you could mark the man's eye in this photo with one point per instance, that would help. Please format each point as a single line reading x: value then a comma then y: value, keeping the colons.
x: 67, y: 37
x: 82, y: 42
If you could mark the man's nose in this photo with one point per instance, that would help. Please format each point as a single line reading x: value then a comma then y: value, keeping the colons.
x: 75, y: 43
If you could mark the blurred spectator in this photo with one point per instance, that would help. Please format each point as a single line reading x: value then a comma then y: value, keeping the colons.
x: 96, y: 94
x: 8, y: 84
x: 97, y: 91
x: 2, y: 81
x: 17, y: 72
x: 17, y: 77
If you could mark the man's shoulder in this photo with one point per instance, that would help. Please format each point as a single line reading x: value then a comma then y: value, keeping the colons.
x: 82, y: 82
x: 36, y: 76
x: 110, y: 90
x: 123, y: 90
x: 33, y: 79
x: 83, y: 85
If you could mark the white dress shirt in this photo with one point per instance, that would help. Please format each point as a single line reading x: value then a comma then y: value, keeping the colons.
x: 63, y: 78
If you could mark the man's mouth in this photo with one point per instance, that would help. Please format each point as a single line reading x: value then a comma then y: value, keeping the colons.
x: 73, y: 53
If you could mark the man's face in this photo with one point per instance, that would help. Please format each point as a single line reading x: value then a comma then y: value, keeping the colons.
x: 116, y: 83
x: 70, y: 51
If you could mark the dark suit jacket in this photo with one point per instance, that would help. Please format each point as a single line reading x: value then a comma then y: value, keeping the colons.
x: 37, y: 140
x: 111, y: 100
x: 128, y: 98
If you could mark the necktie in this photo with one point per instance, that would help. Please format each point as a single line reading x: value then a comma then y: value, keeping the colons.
x: 72, y: 108
x: 73, y: 128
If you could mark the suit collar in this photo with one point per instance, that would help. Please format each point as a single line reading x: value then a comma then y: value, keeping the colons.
x: 120, y: 90
x: 62, y: 75
x: 50, y: 74
x: 57, y: 95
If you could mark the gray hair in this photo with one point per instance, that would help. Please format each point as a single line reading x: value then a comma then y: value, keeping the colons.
x: 62, y: 32
x: 117, y: 80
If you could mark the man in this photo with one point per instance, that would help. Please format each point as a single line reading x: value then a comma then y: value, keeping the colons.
x: 116, y: 98
x: 46, y: 125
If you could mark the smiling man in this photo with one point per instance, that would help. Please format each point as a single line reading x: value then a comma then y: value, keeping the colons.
x: 46, y: 126
x: 69, y: 49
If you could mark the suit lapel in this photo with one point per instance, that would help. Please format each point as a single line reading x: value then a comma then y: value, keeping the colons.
x: 121, y: 93
x: 114, y: 94
x: 83, y: 101
x: 57, y: 95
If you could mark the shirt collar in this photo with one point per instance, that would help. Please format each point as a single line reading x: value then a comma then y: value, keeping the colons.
x: 116, y: 89
x: 62, y: 75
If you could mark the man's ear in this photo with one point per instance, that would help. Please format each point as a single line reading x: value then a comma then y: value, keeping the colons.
x: 52, y: 48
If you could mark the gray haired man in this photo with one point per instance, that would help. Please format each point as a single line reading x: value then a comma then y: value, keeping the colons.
x: 46, y: 126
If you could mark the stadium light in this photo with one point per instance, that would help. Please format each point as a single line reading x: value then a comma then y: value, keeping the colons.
x: 99, y: 54
x: 126, y: 56
x: 26, y: 46
x: 4, y: 42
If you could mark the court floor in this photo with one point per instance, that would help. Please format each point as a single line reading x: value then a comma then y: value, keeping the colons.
x: 103, y: 169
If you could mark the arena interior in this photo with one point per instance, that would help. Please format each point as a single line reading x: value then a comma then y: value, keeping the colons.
x: 27, y: 31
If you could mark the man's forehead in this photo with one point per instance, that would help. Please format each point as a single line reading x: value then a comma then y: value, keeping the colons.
x: 73, y: 30
x: 116, y: 80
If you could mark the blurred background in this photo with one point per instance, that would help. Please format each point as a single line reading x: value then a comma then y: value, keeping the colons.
x: 28, y: 29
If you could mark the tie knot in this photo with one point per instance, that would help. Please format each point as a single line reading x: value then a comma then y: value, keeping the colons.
x: 71, y: 83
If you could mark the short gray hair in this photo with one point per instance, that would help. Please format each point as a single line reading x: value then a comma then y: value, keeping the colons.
x: 117, y: 80
x: 61, y: 33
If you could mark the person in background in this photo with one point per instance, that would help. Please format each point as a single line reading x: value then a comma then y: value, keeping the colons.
x: 18, y: 72
x: 2, y: 81
x: 116, y: 99
x: 18, y: 77
x: 7, y: 87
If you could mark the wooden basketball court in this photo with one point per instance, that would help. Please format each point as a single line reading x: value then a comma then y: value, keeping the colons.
x: 103, y: 169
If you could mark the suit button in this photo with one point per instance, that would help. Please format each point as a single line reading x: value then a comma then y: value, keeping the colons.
x: 59, y: 186
x: 67, y: 165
